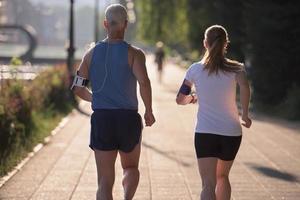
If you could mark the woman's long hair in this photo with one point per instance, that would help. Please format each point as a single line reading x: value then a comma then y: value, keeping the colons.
x: 216, y: 39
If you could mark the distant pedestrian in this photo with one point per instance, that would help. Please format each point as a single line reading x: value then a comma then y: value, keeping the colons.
x: 114, y: 68
x: 218, y: 131
x: 159, y: 59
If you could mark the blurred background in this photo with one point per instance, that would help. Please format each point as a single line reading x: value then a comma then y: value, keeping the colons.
x: 49, y: 22
x: 263, y: 34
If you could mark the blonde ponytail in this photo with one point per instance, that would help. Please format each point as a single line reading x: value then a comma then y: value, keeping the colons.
x: 216, y: 38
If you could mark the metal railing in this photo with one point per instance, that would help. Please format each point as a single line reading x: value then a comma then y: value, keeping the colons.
x: 30, y: 35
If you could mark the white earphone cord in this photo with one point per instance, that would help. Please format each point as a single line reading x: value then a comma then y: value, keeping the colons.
x: 106, y: 71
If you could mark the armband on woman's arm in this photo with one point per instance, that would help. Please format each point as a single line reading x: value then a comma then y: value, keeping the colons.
x: 185, y: 89
x: 183, y: 96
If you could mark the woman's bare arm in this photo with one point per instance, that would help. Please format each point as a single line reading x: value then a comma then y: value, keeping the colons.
x: 244, y: 97
x: 183, y: 99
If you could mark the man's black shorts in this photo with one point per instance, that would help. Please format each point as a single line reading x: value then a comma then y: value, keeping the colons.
x: 219, y: 146
x: 115, y: 129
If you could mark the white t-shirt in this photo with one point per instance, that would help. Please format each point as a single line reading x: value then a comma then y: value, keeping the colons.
x: 217, y: 111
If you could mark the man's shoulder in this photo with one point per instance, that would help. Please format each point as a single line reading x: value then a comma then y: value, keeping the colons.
x: 136, y: 52
x: 89, y: 50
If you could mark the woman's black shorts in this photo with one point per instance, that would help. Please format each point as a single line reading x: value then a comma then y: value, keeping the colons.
x: 219, y: 146
x: 115, y: 129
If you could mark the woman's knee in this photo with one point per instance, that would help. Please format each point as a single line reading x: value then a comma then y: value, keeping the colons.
x: 209, y: 185
x: 222, y: 177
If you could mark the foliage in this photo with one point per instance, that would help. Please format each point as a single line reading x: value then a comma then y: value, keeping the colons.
x: 54, y: 91
x: 202, y: 14
x: 15, y: 120
x: 166, y: 22
x: 21, y: 102
x: 15, y: 61
x: 181, y: 24
x: 290, y: 106
x: 272, y: 46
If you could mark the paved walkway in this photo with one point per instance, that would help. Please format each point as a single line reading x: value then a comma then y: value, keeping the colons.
x: 267, y: 166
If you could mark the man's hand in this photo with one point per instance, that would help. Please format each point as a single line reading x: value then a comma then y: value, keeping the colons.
x: 247, y: 121
x: 149, y: 118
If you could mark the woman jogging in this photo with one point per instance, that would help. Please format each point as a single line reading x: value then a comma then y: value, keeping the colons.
x: 218, y: 130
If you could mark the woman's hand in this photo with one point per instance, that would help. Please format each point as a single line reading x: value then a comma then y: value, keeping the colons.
x: 194, y: 98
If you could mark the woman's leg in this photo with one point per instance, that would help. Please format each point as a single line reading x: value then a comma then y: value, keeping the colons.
x: 223, y: 189
x: 207, y: 169
x: 131, y: 175
x: 105, y: 161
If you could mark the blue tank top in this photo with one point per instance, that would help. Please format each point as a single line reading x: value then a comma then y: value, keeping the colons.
x: 112, y: 80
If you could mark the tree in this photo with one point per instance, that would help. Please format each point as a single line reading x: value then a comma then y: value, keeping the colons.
x: 228, y: 13
x: 273, y: 44
x: 162, y: 20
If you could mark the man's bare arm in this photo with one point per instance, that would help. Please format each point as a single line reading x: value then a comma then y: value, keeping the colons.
x: 140, y: 72
x: 83, y: 71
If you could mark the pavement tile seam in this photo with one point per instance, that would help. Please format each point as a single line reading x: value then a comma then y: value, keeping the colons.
x: 61, y: 168
x: 284, y: 132
x: 36, y: 149
x: 56, y: 160
x: 9, y: 188
x: 268, y: 160
x: 262, y: 155
x: 80, y: 176
x: 149, y: 172
x: 268, y: 182
x: 257, y: 180
x: 276, y: 145
x: 274, y: 132
x: 183, y: 174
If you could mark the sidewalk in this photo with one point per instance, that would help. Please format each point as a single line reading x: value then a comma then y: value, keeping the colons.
x: 267, y: 166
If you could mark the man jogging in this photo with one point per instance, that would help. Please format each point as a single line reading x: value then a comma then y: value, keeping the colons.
x: 114, y: 67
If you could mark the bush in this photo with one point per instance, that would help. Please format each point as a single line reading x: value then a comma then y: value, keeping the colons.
x: 20, y: 102
x: 290, y: 108
x: 51, y: 89
x: 15, y: 61
x: 15, y: 118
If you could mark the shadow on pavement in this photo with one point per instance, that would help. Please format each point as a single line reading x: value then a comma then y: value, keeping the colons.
x: 166, y: 154
x: 267, y: 171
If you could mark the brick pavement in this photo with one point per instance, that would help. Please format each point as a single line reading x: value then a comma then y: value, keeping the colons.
x: 267, y: 166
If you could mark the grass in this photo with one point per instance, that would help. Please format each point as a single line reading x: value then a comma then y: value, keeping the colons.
x: 44, y: 123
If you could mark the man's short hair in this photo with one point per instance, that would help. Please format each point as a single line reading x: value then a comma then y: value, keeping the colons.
x: 116, y: 14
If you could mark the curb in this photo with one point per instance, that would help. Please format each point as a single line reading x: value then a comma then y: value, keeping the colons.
x: 36, y: 149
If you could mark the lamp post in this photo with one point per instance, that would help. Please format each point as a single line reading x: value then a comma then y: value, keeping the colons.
x: 96, y: 20
x: 71, y: 48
